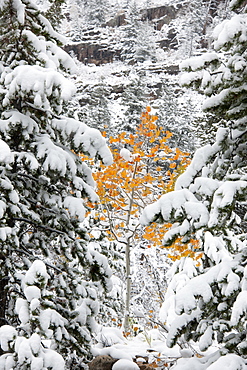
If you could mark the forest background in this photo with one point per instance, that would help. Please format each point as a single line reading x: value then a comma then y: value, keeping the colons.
x: 155, y: 258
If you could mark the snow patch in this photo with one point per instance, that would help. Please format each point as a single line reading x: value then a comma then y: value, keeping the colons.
x: 7, y: 335
x: 125, y: 365
x: 5, y: 153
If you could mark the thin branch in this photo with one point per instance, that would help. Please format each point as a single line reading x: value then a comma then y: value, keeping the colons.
x: 39, y: 205
x: 133, y: 231
x: 141, y: 198
x: 41, y: 110
x: 125, y: 193
x: 47, y: 228
x: 112, y: 227
x: 132, y: 196
x: 27, y: 176
x: 5, y: 320
x: 19, y: 293
x: 22, y: 250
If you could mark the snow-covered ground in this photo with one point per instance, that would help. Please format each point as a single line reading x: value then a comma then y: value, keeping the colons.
x: 145, y: 346
x: 144, y: 3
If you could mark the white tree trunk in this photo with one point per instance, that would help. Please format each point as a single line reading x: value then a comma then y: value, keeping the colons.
x: 126, y: 324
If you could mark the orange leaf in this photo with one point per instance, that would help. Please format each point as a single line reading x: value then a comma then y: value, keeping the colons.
x: 173, y: 165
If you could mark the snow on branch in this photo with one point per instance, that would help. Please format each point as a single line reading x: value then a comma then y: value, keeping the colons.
x: 50, y: 30
x: 214, y: 247
x: 224, y: 197
x: 48, y: 52
x: 180, y: 206
x: 177, y: 326
x: 37, y: 84
x: 75, y: 207
x: 199, y: 62
x: 200, y: 286
x: 228, y: 30
x: 201, y: 158
x: 239, y: 308
x: 85, y: 139
x: 14, y: 117
x: 55, y: 158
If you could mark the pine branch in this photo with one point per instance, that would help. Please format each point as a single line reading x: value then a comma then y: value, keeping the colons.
x: 46, y: 228
x: 48, y: 112
x: 23, y: 250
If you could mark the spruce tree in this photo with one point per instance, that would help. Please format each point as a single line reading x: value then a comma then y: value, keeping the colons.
x: 134, y: 99
x: 138, y: 41
x: 209, y: 295
x: 131, y: 30
x: 95, y: 11
x: 43, y: 183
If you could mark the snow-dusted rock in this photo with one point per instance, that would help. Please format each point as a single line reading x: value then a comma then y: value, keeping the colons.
x: 103, y: 362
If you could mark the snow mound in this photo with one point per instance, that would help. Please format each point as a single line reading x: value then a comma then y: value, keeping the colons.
x: 125, y: 365
x: 126, y: 154
x: 110, y: 335
x: 4, y: 152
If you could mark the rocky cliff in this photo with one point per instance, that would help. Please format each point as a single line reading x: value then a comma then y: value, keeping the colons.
x: 93, y: 48
x: 100, y: 45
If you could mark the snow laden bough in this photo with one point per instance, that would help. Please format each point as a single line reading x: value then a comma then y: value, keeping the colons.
x: 30, y: 352
x: 43, y: 184
x: 205, y: 303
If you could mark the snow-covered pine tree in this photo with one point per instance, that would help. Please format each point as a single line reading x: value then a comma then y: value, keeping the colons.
x: 54, y: 11
x: 95, y: 11
x: 43, y: 182
x: 191, y: 27
x: 176, y: 111
x: 134, y: 99
x: 23, y: 345
x: 206, y: 301
x: 138, y: 42
x: 95, y: 110
x: 131, y: 30
x: 145, y: 49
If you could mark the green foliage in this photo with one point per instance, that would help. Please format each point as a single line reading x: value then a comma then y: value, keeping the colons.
x: 210, y: 303
x: 43, y: 186
x: 54, y: 13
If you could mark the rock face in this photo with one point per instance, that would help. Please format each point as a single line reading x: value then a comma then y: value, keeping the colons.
x: 102, y: 363
x: 92, y: 50
x: 160, y: 15
x: 105, y: 362
x: 146, y: 367
x: 92, y: 53
x: 95, y: 50
x: 117, y: 21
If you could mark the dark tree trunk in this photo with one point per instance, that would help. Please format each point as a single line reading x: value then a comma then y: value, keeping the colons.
x: 3, y: 296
